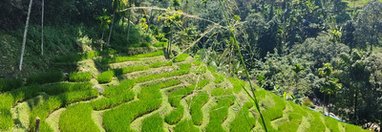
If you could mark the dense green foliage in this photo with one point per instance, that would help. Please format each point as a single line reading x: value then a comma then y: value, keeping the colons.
x: 80, y: 77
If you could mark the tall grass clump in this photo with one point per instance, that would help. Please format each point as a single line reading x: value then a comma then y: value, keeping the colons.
x: 197, y: 102
x: 219, y: 113
x: 80, y: 77
x: 77, y: 118
x: 243, y: 122
x: 153, y: 123
x: 105, y: 77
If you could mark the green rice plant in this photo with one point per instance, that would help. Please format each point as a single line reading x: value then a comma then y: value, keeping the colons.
x: 243, y: 122
x: 115, y: 95
x: 184, y: 69
x: 221, y: 91
x: 174, y: 99
x: 51, y: 103
x: 105, y: 77
x: 295, y: 119
x: 274, y: 112
x: 202, y: 83
x: 186, y: 126
x: 219, y: 113
x: 332, y: 124
x: 77, y: 118
x: 197, y: 102
x: 237, y: 84
x: 153, y: 123
x: 135, y: 68
x: 316, y: 124
x: 119, y: 119
x: 353, y: 128
x: 160, y: 44
x: 80, y: 77
x: 135, y: 57
x: 6, y: 103
x: 218, y: 77
x: 46, y: 77
x: 7, y: 84
x: 181, y: 57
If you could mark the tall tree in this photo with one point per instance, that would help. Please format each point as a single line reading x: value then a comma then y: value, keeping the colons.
x: 25, y: 35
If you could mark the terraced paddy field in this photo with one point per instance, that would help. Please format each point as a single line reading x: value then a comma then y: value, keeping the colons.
x: 148, y: 93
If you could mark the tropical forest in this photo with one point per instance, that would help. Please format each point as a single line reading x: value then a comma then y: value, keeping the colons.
x: 190, y: 65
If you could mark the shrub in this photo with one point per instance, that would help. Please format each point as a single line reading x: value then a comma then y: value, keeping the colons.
x: 77, y: 118
x: 153, y: 123
x: 46, y: 77
x: 196, y: 107
x: 80, y: 77
x: 105, y: 77
x: 9, y: 84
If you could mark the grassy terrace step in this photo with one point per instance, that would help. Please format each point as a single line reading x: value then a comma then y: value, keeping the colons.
x: 174, y: 99
x: 197, y: 103
x: 150, y: 99
x: 219, y: 113
x: 156, y: 101
x: 243, y: 122
x: 9, y: 99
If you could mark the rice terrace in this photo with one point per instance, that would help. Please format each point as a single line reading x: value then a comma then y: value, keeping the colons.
x: 190, y: 66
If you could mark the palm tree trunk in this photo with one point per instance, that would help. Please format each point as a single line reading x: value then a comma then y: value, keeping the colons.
x: 42, y: 28
x: 25, y: 35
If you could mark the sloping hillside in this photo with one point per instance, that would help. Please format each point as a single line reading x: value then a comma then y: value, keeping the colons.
x: 146, y: 92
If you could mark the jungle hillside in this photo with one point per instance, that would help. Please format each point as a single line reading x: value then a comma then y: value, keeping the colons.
x: 190, y: 65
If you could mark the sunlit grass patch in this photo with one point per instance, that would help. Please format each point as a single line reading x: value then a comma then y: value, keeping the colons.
x: 6, y: 121
x: 331, y: 124
x: 316, y: 124
x: 274, y: 112
x: 221, y: 91
x: 237, y: 84
x: 80, y: 77
x: 186, y: 126
x: 219, y: 113
x: 77, y: 118
x: 105, y: 77
x: 174, y: 99
x: 134, y: 58
x: 243, y: 122
x: 153, y: 123
x: 119, y: 119
x: 197, y: 102
x: 181, y: 57
x: 295, y: 119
